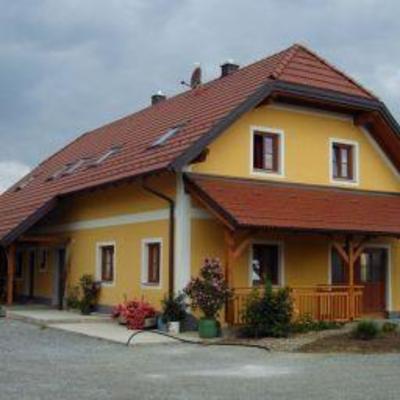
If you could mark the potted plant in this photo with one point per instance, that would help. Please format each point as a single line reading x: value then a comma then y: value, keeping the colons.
x: 173, y: 312
x: 135, y: 314
x: 209, y: 292
x: 90, y: 293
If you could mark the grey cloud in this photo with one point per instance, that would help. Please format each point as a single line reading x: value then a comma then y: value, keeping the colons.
x: 67, y: 66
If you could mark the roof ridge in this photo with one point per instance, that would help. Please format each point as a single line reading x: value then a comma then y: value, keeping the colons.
x: 290, y: 53
x: 335, y: 68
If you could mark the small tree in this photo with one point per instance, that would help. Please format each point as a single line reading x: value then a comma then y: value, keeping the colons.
x: 209, y: 291
x: 268, y: 314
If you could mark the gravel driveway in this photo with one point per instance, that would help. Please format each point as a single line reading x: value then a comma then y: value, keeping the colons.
x: 49, y: 364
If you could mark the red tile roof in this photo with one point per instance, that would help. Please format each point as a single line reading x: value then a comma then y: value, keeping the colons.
x: 200, y: 110
x: 259, y: 204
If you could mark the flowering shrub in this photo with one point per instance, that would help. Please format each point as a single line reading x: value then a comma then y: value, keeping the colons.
x: 209, y: 291
x: 134, y: 312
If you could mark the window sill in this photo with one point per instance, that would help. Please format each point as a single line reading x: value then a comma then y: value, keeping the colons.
x: 267, y: 174
x: 344, y: 182
x: 146, y: 285
x: 107, y: 284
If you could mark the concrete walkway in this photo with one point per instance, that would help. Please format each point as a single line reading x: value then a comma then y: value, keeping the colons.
x: 99, y: 326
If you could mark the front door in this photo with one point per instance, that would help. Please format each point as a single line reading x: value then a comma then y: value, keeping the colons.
x: 370, y: 272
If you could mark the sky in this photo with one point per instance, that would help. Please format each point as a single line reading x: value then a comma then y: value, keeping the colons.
x: 69, y: 66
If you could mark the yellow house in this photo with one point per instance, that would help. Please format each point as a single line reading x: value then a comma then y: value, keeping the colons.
x: 285, y: 169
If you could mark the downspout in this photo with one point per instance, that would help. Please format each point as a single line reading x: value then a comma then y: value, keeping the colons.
x: 171, y: 234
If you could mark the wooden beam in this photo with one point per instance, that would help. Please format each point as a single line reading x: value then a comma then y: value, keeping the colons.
x: 342, y: 253
x: 365, y: 118
x: 43, y: 240
x: 11, y: 260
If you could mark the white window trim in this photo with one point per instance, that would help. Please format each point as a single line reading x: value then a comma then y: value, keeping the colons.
x: 356, y: 162
x: 281, y: 158
x: 389, y: 269
x: 99, y: 245
x: 144, y: 271
x: 281, y: 265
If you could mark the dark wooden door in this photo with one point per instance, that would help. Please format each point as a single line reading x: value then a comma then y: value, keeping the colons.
x: 370, y: 272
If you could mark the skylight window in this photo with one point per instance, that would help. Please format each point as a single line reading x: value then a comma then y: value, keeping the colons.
x: 166, y: 136
x: 67, y: 169
x: 113, y: 150
x: 24, y: 183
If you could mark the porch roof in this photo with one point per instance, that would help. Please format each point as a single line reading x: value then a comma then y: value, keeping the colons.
x: 251, y: 203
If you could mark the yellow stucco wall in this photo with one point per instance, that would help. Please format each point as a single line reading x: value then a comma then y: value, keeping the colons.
x: 306, y: 150
x: 306, y: 259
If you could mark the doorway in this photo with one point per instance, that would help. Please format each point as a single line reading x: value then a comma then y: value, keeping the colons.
x: 370, y: 272
x: 59, y: 279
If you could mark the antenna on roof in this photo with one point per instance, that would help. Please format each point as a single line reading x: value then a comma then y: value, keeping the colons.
x: 195, y: 80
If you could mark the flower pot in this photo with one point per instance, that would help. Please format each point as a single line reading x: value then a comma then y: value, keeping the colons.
x: 174, y: 327
x: 161, y: 325
x: 122, y: 320
x: 208, y: 328
x: 150, y: 322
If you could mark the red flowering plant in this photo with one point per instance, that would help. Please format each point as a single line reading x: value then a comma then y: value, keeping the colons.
x: 134, y: 312
x: 209, y: 291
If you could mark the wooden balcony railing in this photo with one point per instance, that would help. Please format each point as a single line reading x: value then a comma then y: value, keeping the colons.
x: 321, y: 303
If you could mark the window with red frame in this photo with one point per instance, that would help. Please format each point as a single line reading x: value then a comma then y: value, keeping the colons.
x: 107, y: 263
x: 266, y: 148
x: 342, y: 161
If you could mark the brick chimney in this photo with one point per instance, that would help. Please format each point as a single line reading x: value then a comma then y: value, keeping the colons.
x: 158, y: 97
x: 228, y: 67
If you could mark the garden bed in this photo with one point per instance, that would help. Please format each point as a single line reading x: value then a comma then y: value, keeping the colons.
x: 346, y: 343
x: 292, y: 343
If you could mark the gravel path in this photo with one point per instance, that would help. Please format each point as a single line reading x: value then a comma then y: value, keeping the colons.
x: 49, y: 364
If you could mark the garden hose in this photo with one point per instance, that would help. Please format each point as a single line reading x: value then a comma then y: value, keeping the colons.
x: 187, y: 341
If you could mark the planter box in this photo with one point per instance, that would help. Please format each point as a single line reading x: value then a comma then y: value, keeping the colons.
x: 150, y: 322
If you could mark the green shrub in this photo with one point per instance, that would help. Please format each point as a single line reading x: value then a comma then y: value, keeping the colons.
x: 389, y: 327
x: 173, y: 308
x: 90, y: 291
x: 268, y: 314
x: 306, y: 323
x: 366, y: 330
x: 72, y: 299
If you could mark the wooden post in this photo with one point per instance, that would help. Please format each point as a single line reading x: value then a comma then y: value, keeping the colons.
x: 11, y: 260
x: 351, y: 278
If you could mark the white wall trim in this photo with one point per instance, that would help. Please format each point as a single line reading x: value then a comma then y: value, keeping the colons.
x: 311, y: 111
x: 99, y: 245
x: 199, y: 213
x: 144, y: 264
x: 281, y: 265
x: 266, y: 174
x: 356, y: 162
x: 183, y: 234
x: 381, y: 153
x: 118, y: 220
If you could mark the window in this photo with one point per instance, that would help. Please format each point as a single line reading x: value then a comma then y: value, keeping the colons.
x: 266, y: 152
x: 107, y: 263
x: 151, y: 264
x: 344, y: 161
x: 113, y: 150
x: 19, y: 266
x: 338, y: 269
x: 167, y: 135
x: 265, y: 264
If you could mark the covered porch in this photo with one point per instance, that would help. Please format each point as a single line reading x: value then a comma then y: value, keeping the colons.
x: 33, y: 270
x: 332, y: 247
